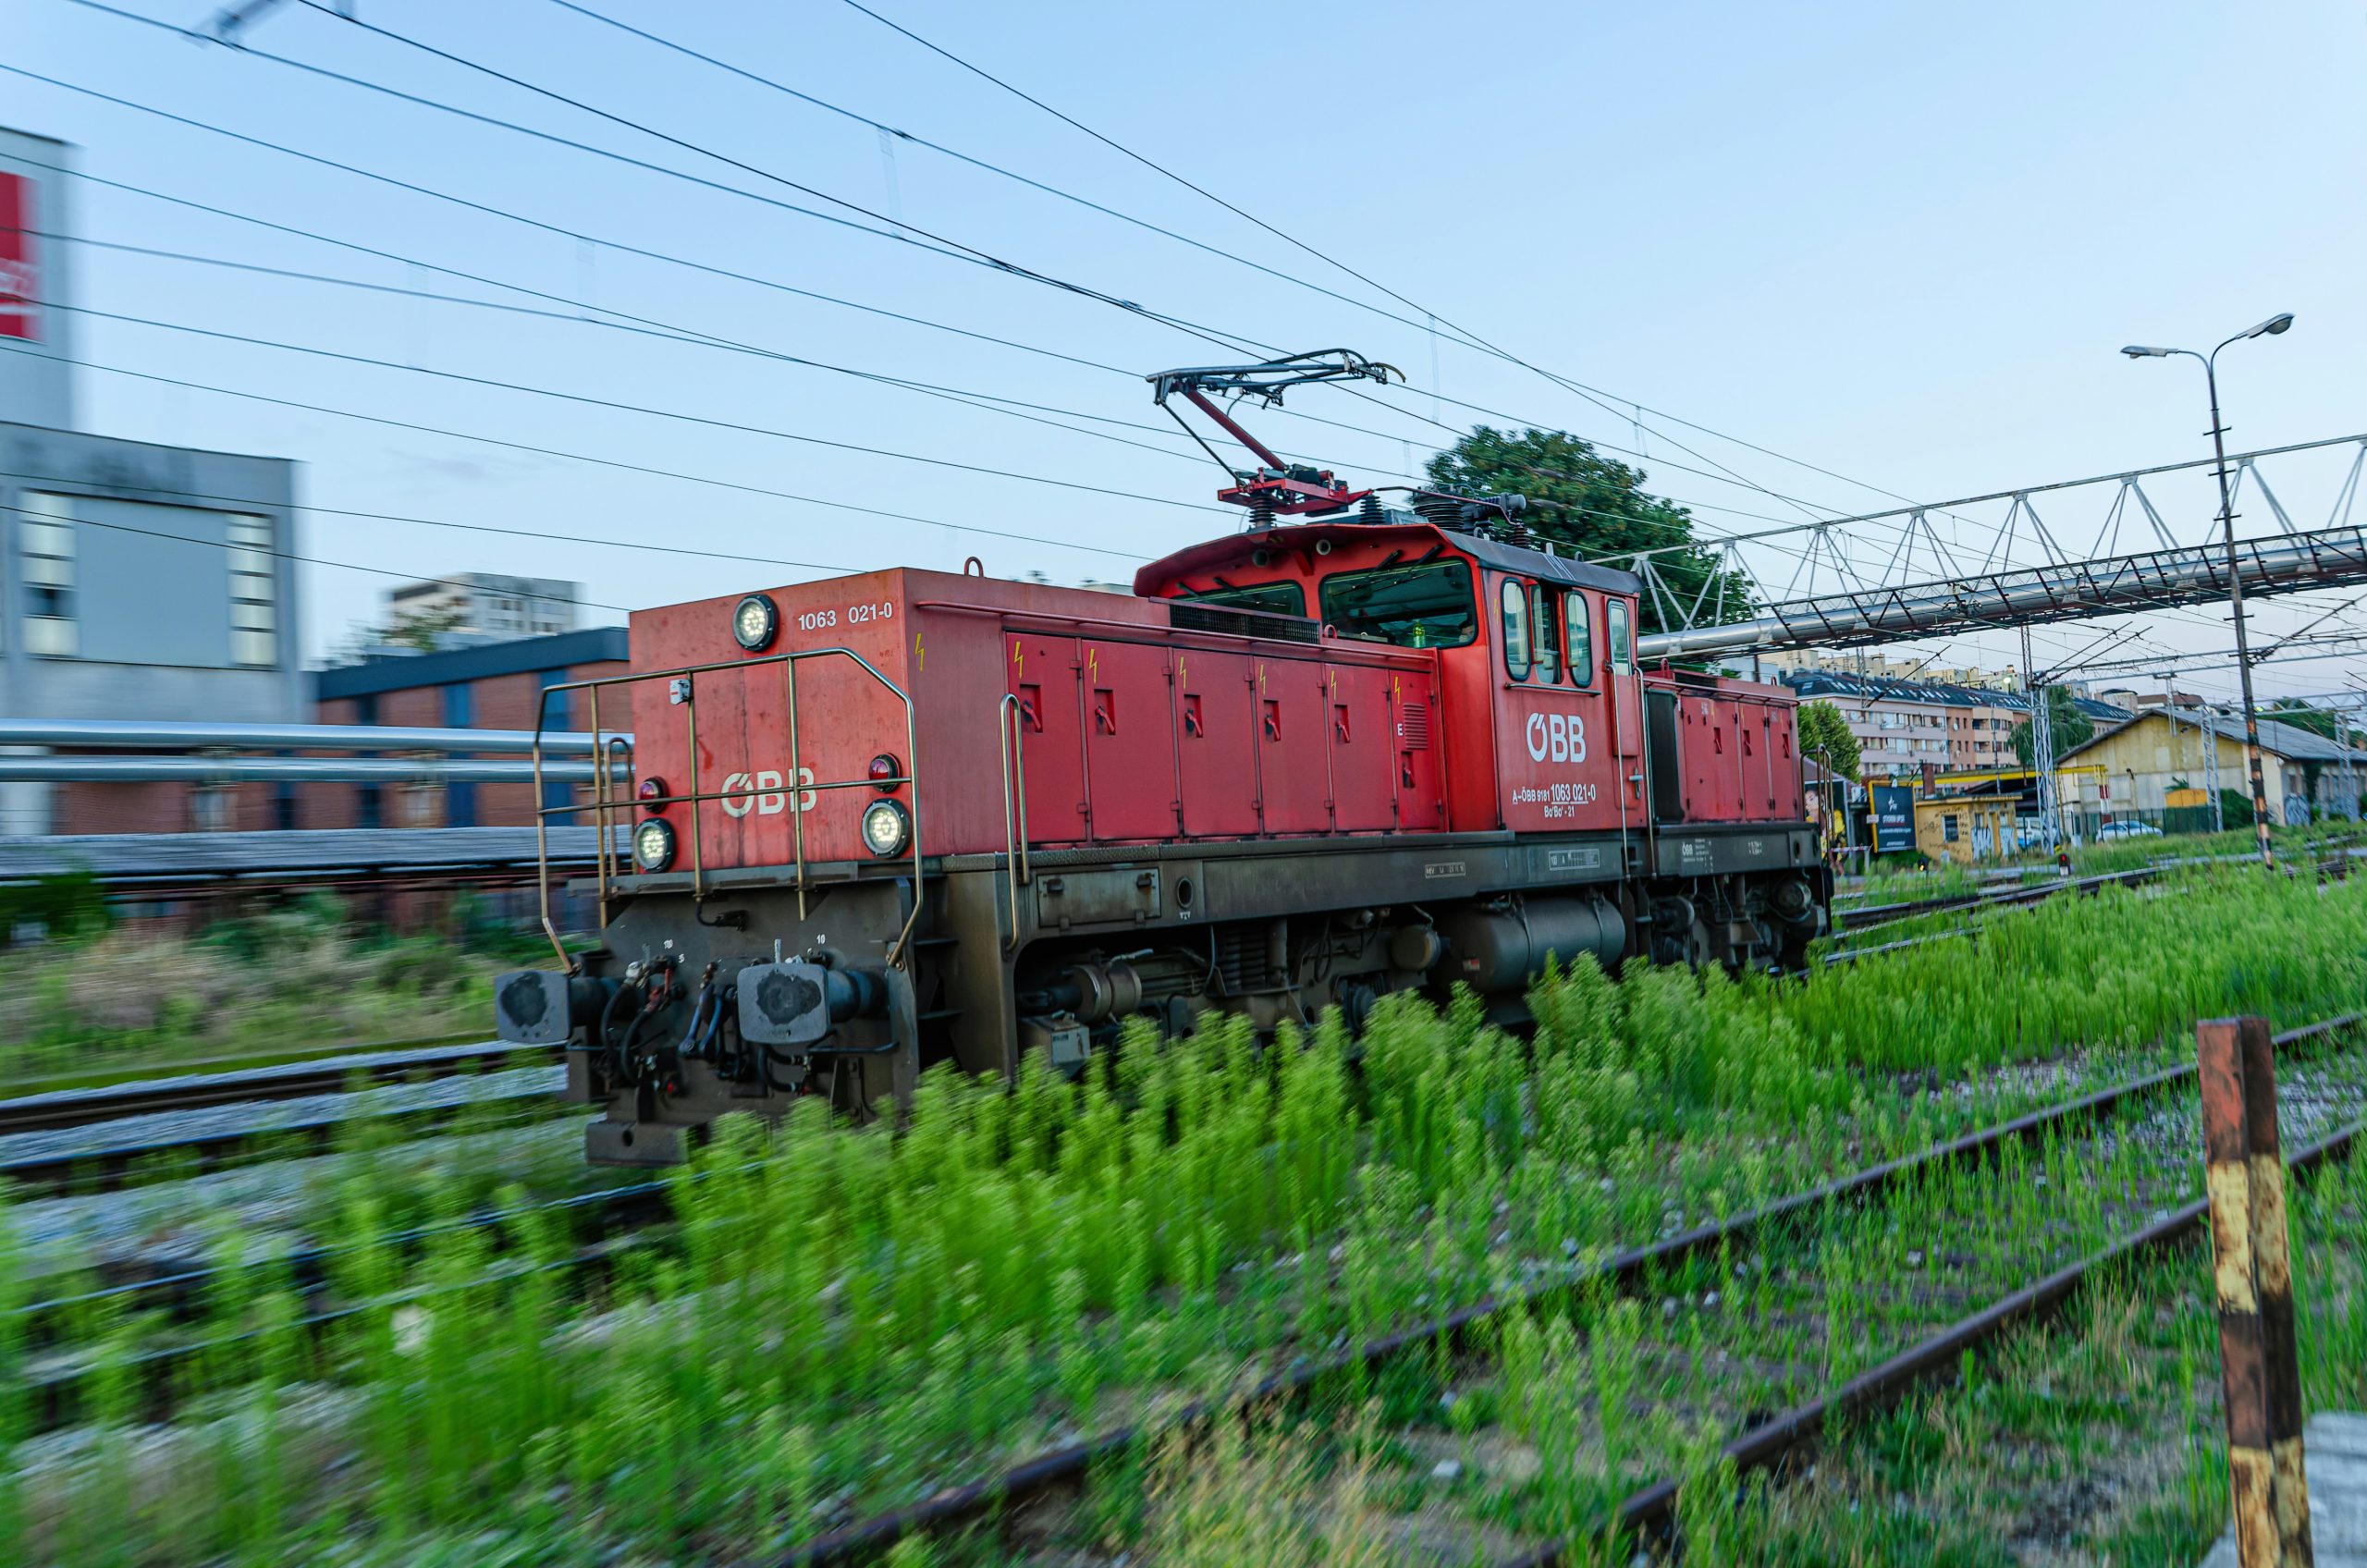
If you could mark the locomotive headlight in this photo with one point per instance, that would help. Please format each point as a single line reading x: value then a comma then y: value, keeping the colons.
x: 755, y: 623
x: 887, y: 830
x: 653, y: 844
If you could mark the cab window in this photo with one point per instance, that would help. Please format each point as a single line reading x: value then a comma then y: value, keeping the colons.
x: 1615, y: 615
x: 1425, y: 604
x: 1580, y: 625
x: 1275, y: 598
x: 1514, y: 594
x: 1542, y: 641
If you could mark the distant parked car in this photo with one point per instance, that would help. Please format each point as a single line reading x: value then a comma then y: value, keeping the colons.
x: 2126, y: 830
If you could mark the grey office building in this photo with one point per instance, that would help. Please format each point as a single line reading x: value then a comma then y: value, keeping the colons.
x: 137, y: 580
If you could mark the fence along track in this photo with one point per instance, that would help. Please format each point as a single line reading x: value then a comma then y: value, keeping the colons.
x: 1624, y: 1270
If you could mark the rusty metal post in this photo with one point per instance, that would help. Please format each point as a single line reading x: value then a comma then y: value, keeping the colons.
x: 2254, y: 1274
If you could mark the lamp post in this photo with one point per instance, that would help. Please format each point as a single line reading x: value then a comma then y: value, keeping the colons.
x: 2271, y: 327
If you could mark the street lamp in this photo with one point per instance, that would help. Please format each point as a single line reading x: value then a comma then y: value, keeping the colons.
x: 2269, y: 329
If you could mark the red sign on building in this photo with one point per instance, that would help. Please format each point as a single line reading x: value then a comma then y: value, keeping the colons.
x: 18, y: 272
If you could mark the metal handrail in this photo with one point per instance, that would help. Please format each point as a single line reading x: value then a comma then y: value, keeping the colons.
x: 1014, y: 840
x: 605, y: 804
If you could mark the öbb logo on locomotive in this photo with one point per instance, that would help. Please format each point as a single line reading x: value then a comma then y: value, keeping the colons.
x: 762, y: 793
x: 1554, y: 737
x: 1295, y: 769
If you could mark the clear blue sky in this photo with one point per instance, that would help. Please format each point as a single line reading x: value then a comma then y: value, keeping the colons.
x: 1901, y: 242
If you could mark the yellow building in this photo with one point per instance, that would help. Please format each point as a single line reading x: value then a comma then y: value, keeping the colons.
x: 1967, y: 828
x: 2135, y: 768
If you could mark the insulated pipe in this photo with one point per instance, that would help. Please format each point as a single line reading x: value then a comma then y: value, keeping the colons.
x: 284, y: 770
x: 2277, y: 564
x: 142, y: 733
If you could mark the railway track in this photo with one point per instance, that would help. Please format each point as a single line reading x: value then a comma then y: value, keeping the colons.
x: 1765, y: 1443
x: 603, y: 1226
x: 2021, y: 893
x: 99, y: 1139
x: 55, y: 1110
x: 1773, y: 1442
x: 2335, y: 869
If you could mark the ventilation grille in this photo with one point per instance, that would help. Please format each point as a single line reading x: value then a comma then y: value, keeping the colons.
x: 1414, y: 726
x: 1240, y: 958
x: 1190, y: 616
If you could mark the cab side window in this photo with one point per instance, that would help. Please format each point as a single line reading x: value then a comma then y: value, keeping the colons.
x: 1514, y: 596
x: 1580, y: 626
x: 1615, y: 614
x: 1542, y: 635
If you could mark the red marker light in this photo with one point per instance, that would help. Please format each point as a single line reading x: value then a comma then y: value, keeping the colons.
x: 885, y: 773
x: 653, y: 790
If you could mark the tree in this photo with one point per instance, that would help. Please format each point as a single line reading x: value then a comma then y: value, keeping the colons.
x: 2066, y: 724
x: 2301, y: 715
x: 424, y: 629
x: 1826, y: 740
x: 1599, y: 508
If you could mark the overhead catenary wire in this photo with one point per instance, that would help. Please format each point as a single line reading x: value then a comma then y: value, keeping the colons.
x: 530, y: 448
x: 607, y: 152
x: 626, y: 248
x: 639, y: 546
x: 939, y: 244
x: 1429, y: 322
x: 902, y: 234
x: 616, y: 405
x: 647, y: 326
x: 305, y: 559
x: 1592, y: 395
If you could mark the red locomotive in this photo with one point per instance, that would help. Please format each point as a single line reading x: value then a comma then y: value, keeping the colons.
x: 908, y: 817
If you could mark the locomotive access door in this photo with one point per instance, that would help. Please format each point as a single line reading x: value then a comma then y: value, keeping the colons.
x: 1043, y: 674
x: 1294, y: 762
x: 1413, y: 701
x: 1363, y: 790
x: 1624, y: 688
x: 1129, y: 741
x: 1216, y: 743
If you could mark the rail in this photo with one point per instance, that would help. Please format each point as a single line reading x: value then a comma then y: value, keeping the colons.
x: 1014, y: 829
x: 682, y: 685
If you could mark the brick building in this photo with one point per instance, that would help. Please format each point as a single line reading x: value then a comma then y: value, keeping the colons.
x: 491, y: 686
x: 1904, y: 727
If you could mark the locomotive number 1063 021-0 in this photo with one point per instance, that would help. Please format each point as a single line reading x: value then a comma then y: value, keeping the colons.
x: 855, y: 615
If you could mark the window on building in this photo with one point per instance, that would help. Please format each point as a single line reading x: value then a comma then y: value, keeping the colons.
x: 1428, y: 606
x: 421, y: 805
x: 460, y: 713
x: 210, y: 807
x: 45, y: 557
x: 1580, y: 623
x: 1514, y: 595
x: 369, y: 806
x: 254, y: 627
x: 556, y: 796
x: 1948, y: 826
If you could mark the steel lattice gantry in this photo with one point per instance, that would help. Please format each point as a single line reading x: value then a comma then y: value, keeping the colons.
x: 2277, y: 563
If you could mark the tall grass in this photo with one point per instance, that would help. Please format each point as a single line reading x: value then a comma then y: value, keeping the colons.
x: 845, y: 1320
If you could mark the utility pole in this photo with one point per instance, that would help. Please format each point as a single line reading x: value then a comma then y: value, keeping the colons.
x: 2041, y: 744
x: 2271, y: 327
